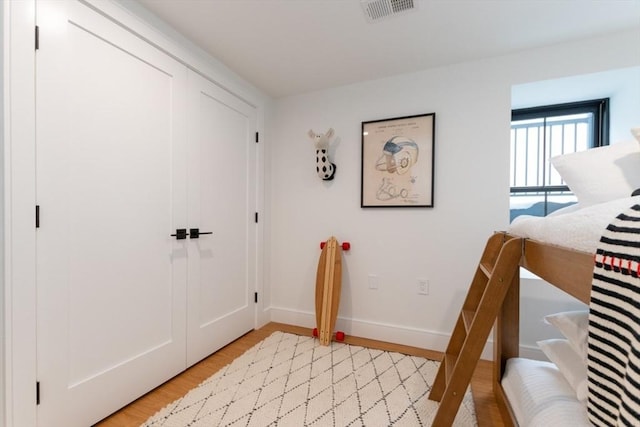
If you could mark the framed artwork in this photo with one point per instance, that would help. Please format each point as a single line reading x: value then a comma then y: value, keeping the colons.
x: 397, y: 162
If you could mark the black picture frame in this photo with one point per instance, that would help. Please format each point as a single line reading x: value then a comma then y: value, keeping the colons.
x: 397, y: 168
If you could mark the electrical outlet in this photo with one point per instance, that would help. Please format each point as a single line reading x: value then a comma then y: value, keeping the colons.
x: 423, y: 287
x: 373, y: 281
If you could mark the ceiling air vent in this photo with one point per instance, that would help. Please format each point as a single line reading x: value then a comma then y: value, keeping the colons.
x: 375, y: 10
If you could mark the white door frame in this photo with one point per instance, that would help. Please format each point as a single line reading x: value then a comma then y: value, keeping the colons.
x: 19, y: 210
x: 19, y: 311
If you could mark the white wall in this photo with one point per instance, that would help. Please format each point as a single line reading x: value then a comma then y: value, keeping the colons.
x: 2, y: 132
x: 472, y: 102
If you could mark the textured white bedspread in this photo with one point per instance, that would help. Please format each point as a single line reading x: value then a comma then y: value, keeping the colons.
x: 580, y: 230
x: 540, y: 396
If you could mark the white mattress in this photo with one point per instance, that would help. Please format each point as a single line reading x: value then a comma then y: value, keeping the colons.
x: 580, y: 230
x: 540, y: 396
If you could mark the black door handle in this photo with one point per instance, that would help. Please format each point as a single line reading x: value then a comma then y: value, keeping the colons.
x: 181, y: 234
x: 195, y: 232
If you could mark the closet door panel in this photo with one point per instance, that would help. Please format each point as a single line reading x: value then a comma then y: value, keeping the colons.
x: 111, y: 187
x: 221, y: 201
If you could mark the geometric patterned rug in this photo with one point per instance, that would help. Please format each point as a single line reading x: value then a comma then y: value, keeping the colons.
x: 291, y: 380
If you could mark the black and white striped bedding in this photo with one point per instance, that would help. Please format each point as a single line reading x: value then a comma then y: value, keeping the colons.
x: 614, y: 325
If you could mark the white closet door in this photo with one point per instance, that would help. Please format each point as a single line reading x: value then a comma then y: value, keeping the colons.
x: 111, y: 185
x: 221, y: 171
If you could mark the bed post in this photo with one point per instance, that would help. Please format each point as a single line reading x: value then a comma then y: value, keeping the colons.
x: 506, y: 342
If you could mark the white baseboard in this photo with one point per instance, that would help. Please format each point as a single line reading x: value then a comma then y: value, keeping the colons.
x: 397, y: 334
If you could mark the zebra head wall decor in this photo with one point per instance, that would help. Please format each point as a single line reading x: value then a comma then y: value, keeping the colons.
x: 325, y: 169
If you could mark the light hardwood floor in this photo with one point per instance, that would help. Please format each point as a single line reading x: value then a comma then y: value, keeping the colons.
x: 138, y: 412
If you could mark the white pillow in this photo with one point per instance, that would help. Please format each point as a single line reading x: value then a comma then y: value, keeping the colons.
x: 601, y: 174
x: 573, y: 325
x: 636, y: 133
x: 569, y: 364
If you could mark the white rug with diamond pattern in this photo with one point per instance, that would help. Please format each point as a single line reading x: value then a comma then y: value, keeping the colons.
x: 291, y: 380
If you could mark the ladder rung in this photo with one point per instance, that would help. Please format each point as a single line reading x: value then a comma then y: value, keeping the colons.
x: 467, y: 318
x: 486, y: 269
x: 449, y: 361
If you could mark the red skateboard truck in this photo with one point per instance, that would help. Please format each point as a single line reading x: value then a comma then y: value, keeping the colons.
x: 345, y: 245
x: 339, y: 335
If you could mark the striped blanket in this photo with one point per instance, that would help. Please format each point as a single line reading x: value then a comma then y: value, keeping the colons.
x: 614, y: 325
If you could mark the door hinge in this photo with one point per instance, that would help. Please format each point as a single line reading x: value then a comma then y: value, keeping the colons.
x: 37, y: 37
x: 257, y: 137
x: 37, y: 392
x: 256, y: 218
x: 255, y: 297
x: 37, y: 216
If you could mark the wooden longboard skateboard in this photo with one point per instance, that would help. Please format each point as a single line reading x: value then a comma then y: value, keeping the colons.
x: 328, y: 286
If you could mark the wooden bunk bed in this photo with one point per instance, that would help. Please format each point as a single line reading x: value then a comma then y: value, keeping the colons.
x: 561, y: 249
x: 493, y: 301
x: 567, y: 269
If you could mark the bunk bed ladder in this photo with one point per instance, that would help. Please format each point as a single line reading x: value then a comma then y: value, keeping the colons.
x: 493, y: 277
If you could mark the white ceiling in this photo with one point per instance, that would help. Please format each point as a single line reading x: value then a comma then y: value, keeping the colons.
x: 285, y: 47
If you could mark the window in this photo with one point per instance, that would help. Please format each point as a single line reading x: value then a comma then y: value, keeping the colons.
x: 539, y: 133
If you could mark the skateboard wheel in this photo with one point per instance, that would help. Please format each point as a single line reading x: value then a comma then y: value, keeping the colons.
x: 315, y: 332
x: 322, y: 245
x: 346, y: 246
x: 340, y: 336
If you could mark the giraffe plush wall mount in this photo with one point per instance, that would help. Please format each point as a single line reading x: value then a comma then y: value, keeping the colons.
x: 325, y: 169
